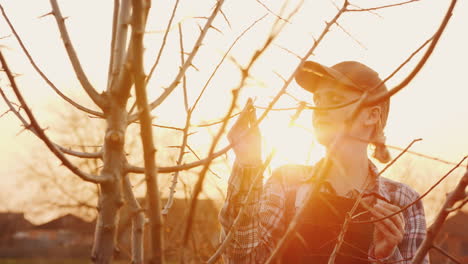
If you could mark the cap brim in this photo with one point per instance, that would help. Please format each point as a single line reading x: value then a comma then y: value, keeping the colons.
x: 312, y: 73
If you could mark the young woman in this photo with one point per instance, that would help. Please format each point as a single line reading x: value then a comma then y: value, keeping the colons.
x: 350, y: 172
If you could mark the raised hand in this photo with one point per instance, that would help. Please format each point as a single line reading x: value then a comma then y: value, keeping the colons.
x: 246, y: 137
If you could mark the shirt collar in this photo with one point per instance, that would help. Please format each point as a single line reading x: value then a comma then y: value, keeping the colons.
x: 376, y: 188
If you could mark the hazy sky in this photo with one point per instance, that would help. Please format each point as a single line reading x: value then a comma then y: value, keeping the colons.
x: 433, y: 107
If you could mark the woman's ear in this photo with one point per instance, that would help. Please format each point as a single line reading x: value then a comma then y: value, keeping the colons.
x: 373, y: 115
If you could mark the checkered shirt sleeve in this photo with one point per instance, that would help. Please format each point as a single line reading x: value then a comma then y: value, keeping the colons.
x: 261, y: 225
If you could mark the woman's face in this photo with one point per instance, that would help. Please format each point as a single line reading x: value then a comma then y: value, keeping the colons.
x: 328, y: 123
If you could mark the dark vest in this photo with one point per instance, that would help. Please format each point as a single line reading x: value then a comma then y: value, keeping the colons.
x: 317, y: 232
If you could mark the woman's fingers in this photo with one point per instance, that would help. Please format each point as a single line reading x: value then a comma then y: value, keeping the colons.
x: 393, y: 226
x: 386, y: 225
x: 242, y: 122
x: 400, y: 221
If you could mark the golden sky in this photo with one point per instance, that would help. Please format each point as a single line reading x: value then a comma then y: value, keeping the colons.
x: 432, y: 107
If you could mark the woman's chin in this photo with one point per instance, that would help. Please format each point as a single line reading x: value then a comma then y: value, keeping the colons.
x: 323, y: 138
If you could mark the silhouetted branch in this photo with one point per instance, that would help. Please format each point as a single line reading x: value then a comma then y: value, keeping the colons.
x: 445, y: 253
x: 161, y: 49
x: 349, y: 215
x: 42, y: 135
x: 149, y: 151
x: 138, y: 222
x: 41, y: 73
x: 227, y: 239
x: 188, y: 62
x: 420, y: 197
x: 381, y: 7
x: 97, y: 98
x: 456, y: 195
x: 420, y: 64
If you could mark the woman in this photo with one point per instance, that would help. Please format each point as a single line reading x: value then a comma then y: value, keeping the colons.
x: 350, y: 172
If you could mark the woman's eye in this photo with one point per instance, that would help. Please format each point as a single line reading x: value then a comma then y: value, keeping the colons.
x: 336, y: 99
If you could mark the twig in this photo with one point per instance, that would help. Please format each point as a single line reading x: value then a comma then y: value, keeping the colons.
x: 417, y: 200
x: 149, y: 151
x: 161, y: 49
x: 445, y: 253
x: 188, y: 62
x: 426, y: 156
x: 27, y: 126
x: 115, y: 18
x: 349, y: 215
x: 98, y: 99
x: 223, y: 58
x: 119, y: 42
x: 138, y: 222
x: 381, y: 7
x: 271, y: 11
x: 182, y: 60
x: 199, y: 185
x: 42, y: 135
x: 420, y: 64
x: 457, y: 195
x: 222, y: 246
x: 41, y: 73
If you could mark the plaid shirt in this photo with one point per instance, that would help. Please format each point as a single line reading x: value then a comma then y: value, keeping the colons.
x: 264, y: 220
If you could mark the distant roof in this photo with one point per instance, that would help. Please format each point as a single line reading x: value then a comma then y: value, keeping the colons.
x: 70, y: 222
x: 12, y: 222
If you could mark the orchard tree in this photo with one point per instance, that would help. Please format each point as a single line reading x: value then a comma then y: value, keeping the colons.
x: 127, y: 76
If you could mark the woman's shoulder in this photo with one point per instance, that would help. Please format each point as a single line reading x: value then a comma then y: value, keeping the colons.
x: 399, y: 193
x: 291, y: 173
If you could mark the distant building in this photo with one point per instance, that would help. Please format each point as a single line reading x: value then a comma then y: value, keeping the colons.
x: 70, y: 236
x: 66, y: 236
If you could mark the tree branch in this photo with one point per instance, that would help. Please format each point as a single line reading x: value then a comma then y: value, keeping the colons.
x: 98, y: 99
x: 42, y: 135
x: 420, y: 64
x: 457, y: 195
x: 41, y: 73
x: 149, y: 151
x: 161, y: 49
x: 188, y: 62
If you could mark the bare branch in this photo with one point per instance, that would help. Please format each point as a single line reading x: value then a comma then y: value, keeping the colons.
x: 149, y: 151
x: 271, y: 11
x: 359, y: 201
x: 172, y: 190
x: 98, y: 99
x: 188, y: 62
x: 115, y: 21
x: 227, y: 239
x: 420, y: 64
x: 351, y: 36
x: 182, y: 62
x: 138, y: 221
x: 118, y: 51
x: 225, y: 17
x: 457, y: 195
x: 199, y: 185
x: 445, y: 253
x: 41, y: 73
x: 420, y: 197
x: 222, y: 60
x: 161, y: 49
x: 381, y: 7
x: 42, y: 135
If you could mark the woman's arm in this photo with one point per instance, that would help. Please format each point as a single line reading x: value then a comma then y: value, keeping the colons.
x: 262, y: 222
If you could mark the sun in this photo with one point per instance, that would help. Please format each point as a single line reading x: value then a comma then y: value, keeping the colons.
x: 293, y: 143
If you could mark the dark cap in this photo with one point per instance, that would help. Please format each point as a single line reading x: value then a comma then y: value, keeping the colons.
x: 351, y: 74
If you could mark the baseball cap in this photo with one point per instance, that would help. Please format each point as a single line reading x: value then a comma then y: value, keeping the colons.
x: 350, y: 74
